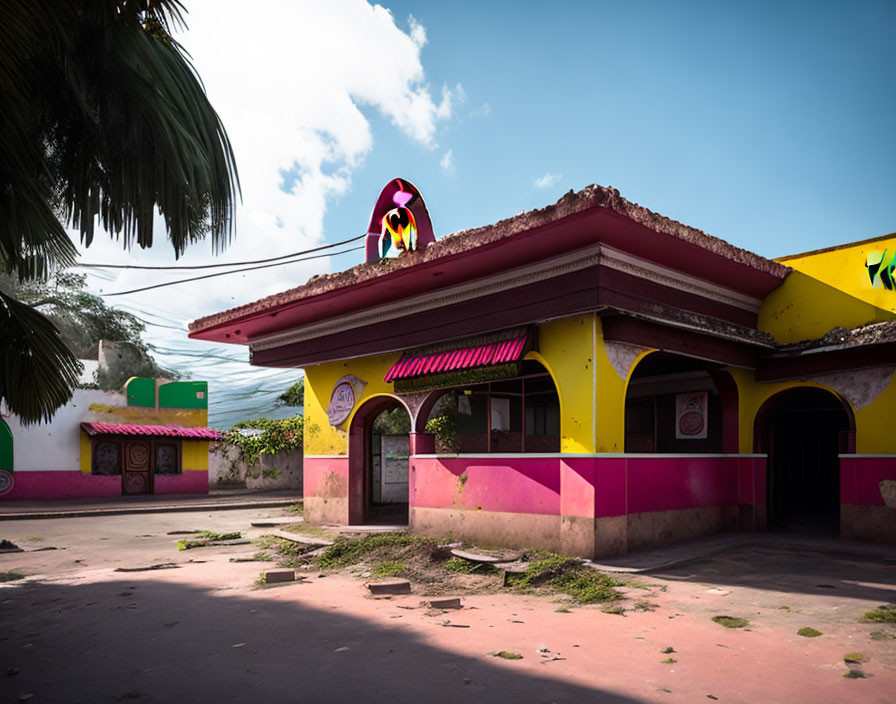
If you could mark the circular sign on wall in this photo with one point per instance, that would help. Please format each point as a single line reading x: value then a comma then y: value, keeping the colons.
x: 341, y: 403
x: 7, y: 482
x: 342, y: 400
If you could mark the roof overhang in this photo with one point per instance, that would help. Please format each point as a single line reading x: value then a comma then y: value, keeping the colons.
x: 575, y: 224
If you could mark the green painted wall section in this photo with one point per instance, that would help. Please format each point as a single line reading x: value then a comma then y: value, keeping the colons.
x: 141, y: 391
x: 5, y: 446
x: 184, y: 394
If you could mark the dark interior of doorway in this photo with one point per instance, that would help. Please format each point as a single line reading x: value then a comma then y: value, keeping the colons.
x: 381, y: 508
x: 803, y: 434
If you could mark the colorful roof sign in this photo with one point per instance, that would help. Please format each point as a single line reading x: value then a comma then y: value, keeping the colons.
x: 165, y: 431
x: 399, y: 223
x: 489, y: 354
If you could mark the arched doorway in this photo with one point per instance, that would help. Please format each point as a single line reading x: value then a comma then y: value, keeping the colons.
x: 680, y: 405
x: 380, y: 452
x: 803, y: 431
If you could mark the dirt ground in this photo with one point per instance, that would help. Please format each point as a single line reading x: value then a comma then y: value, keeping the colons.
x: 75, y: 630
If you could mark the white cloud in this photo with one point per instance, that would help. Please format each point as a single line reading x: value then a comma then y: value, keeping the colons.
x: 483, y: 110
x: 547, y: 180
x: 418, y: 31
x: 289, y: 83
x: 447, y: 162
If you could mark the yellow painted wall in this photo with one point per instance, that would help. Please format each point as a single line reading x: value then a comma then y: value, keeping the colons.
x: 184, y: 417
x: 320, y: 437
x: 194, y: 455
x: 805, y: 308
x: 592, y: 394
x: 874, y: 426
x: 844, y: 268
x: 85, y: 453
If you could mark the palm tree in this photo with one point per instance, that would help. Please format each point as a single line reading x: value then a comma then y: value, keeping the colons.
x: 103, y: 120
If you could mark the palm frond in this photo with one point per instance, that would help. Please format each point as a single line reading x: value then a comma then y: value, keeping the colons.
x: 38, y: 373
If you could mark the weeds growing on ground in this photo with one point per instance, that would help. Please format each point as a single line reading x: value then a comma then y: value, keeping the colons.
x: 388, y: 568
x: 853, y: 658
x: 886, y: 613
x: 731, y: 621
x: 669, y: 661
x: 349, y: 552
x: 808, y: 632
x: 507, y: 655
x: 10, y: 576
x: 568, y: 576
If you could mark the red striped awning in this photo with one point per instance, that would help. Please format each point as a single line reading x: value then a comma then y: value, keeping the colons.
x: 165, y: 431
x: 484, y: 355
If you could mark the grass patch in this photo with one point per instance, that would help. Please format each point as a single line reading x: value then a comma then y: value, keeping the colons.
x: 568, y: 576
x: 615, y: 610
x: 34, y: 539
x: 669, y: 661
x: 350, y: 552
x: 784, y: 608
x: 645, y: 606
x: 211, y: 535
x: 204, y: 537
x: 668, y: 649
x: 731, y: 621
x: 457, y: 564
x: 885, y: 613
x: 882, y: 635
x: 854, y: 675
x: 296, y: 508
x: 853, y: 658
x: 507, y: 655
x: 808, y: 632
x: 260, y: 581
x: 562, y: 610
x: 388, y: 568
x: 10, y: 576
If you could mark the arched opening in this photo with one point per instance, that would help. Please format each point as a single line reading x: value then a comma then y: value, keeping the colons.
x: 379, y: 455
x: 803, y: 431
x: 516, y: 415
x: 674, y: 405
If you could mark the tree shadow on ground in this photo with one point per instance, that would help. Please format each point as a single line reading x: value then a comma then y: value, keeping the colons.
x: 154, y: 641
x: 793, y: 571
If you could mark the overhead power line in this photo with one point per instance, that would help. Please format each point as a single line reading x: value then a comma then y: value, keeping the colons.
x: 91, y: 265
x: 225, y: 273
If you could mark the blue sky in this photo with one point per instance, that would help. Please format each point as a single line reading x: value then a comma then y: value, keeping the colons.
x: 767, y: 124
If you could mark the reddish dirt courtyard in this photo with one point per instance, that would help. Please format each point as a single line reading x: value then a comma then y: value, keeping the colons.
x: 76, y: 630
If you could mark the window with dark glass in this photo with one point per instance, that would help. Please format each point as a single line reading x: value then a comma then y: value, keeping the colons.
x: 167, y: 459
x: 521, y: 414
x: 107, y: 458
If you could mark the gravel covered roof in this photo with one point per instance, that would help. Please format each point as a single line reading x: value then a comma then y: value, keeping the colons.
x: 573, y: 202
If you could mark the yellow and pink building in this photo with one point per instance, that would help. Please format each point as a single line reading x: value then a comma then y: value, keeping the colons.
x: 150, y: 438
x: 589, y: 378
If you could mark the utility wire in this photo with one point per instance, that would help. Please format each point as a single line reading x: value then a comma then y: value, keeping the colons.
x: 224, y: 273
x: 218, y: 266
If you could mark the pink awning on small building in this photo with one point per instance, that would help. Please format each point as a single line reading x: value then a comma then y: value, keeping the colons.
x: 462, y: 358
x: 164, y: 431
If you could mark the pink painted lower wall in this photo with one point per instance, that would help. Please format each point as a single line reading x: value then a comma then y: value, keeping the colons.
x: 325, y: 477
x: 519, y: 485
x: 61, y: 485
x: 190, y: 482
x: 587, y: 486
x: 860, y: 479
x: 617, y: 486
x: 75, y: 484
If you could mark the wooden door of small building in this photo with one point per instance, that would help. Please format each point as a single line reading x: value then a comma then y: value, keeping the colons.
x: 137, y: 474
